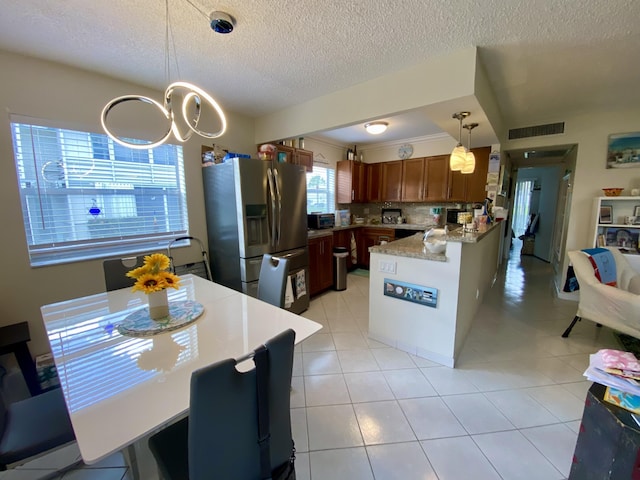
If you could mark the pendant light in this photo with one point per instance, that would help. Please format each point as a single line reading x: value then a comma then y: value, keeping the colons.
x: 459, y: 154
x: 192, y: 97
x: 470, y: 160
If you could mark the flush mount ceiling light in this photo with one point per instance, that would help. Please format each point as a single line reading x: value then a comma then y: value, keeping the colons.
x: 470, y: 160
x: 459, y: 154
x: 375, y: 128
x: 191, y: 95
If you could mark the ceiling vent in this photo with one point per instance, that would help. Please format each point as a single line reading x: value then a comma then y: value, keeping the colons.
x: 536, y: 131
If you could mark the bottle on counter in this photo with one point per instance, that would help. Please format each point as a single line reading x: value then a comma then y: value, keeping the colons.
x: 355, y: 153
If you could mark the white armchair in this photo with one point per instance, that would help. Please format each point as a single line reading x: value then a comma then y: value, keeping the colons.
x: 616, y: 307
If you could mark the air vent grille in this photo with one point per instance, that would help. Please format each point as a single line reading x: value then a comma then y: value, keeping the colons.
x: 536, y: 131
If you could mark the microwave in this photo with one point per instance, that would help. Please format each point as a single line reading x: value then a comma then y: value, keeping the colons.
x: 316, y: 221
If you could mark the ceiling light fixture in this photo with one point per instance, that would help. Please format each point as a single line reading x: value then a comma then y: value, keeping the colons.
x: 192, y: 98
x: 459, y: 154
x: 470, y: 160
x: 375, y: 128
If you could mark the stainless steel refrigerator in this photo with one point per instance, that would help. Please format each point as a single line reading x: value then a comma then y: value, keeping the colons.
x: 255, y: 207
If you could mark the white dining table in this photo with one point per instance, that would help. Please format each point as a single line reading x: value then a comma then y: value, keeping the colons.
x: 119, y: 389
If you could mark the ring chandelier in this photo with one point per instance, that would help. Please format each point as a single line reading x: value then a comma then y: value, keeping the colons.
x: 195, y: 94
x: 191, y: 93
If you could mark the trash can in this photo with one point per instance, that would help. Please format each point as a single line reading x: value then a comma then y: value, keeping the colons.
x: 340, y: 255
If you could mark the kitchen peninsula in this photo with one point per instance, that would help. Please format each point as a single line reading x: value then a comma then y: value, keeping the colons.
x: 424, y: 303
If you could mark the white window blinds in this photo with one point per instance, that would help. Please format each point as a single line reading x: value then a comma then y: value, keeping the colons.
x: 321, y: 190
x: 83, y: 196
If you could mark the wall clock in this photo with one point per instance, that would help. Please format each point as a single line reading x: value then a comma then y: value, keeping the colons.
x: 405, y: 151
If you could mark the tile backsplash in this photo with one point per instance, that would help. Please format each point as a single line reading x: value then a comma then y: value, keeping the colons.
x: 413, y: 213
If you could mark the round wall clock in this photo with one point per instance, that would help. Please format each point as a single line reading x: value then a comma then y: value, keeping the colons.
x: 405, y: 151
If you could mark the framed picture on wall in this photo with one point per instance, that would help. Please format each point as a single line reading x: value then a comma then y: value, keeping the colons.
x: 622, y: 150
x: 606, y: 214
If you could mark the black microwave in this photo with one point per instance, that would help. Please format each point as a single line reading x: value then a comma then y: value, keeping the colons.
x: 316, y: 221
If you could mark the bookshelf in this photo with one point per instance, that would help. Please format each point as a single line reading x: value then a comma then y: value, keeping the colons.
x: 613, y: 228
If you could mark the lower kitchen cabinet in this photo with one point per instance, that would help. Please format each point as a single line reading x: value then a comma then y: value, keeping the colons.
x: 320, y: 264
x: 370, y: 237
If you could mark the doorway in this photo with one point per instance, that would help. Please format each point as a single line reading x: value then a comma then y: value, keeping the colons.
x: 522, y: 206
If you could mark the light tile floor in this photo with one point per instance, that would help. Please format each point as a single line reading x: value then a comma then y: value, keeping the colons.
x: 510, y: 409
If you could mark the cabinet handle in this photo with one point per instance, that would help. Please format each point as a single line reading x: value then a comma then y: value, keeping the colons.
x: 353, y: 194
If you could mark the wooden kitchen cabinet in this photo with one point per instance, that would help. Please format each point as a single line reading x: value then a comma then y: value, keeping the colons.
x: 413, y: 180
x: 392, y: 181
x: 436, y: 178
x: 297, y: 156
x: 374, y: 182
x: 320, y: 264
x: 342, y: 238
x: 370, y: 237
x: 477, y: 181
x: 351, y: 182
x: 457, y: 191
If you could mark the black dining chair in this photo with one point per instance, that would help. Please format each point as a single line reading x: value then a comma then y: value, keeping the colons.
x: 115, y: 271
x: 272, y: 280
x: 33, y: 426
x: 219, y: 438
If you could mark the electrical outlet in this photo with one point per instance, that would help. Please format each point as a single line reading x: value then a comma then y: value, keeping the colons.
x: 386, y: 267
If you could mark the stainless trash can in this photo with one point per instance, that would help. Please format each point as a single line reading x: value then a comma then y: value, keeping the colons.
x: 340, y: 255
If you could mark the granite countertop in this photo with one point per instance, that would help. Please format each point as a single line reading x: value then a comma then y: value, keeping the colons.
x: 414, y: 247
x: 402, y: 226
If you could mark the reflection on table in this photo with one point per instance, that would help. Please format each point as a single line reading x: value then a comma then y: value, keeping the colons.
x: 118, y: 388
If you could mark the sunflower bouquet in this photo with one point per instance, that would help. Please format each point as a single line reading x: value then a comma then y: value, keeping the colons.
x: 153, y: 276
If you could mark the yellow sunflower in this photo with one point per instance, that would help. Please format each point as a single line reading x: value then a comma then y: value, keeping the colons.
x: 148, y: 283
x: 156, y: 262
x: 170, y: 280
x: 138, y: 272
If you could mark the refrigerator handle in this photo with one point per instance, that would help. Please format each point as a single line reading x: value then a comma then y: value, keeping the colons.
x: 279, y: 198
x: 271, y: 191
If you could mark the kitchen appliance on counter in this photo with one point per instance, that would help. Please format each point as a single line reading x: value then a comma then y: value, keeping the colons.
x: 255, y: 207
x: 452, y: 216
x: 391, y: 215
x: 317, y: 221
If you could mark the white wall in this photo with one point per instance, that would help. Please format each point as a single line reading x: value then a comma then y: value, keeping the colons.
x: 75, y: 99
x: 590, y: 132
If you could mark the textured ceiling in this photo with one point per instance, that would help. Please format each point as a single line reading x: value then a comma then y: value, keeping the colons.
x: 543, y: 57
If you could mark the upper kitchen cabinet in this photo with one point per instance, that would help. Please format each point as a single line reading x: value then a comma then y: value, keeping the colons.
x: 413, y: 180
x: 477, y: 181
x: 392, y: 181
x: 436, y: 178
x: 374, y: 182
x: 471, y: 187
x: 297, y: 156
x: 351, y: 182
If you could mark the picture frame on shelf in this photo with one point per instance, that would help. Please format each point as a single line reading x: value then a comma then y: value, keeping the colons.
x: 606, y: 214
x: 636, y: 213
x: 621, y: 148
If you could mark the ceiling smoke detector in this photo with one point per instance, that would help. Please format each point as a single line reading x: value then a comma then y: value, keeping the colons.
x: 221, y: 22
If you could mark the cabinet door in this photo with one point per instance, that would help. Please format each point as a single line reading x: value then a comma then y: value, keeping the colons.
x: 326, y: 263
x: 344, y: 190
x: 457, y: 186
x: 314, y: 266
x: 436, y: 178
x: 304, y: 158
x: 285, y: 154
x: 374, y: 182
x: 359, y: 182
x: 477, y: 181
x: 413, y: 180
x: 392, y: 181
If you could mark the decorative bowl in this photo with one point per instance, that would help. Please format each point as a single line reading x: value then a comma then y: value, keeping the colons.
x: 612, y: 192
x: 435, y: 246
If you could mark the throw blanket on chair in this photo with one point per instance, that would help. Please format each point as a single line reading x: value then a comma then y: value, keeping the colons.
x: 604, y: 265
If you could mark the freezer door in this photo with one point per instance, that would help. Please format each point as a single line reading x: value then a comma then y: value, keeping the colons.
x: 291, y: 205
x: 254, y: 209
